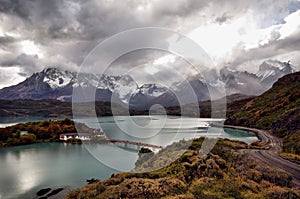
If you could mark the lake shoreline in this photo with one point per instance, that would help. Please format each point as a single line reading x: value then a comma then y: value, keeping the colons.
x: 258, y: 132
x: 63, y: 152
x: 260, y: 136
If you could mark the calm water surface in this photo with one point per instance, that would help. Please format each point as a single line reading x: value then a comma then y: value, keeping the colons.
x: 26, y: 169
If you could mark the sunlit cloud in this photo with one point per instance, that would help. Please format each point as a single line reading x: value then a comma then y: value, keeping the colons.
x: 292, y: 24
x: 29, y: 48
x: 243, y: 33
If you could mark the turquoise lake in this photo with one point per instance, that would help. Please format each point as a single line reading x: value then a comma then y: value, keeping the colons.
x: 26, y: 169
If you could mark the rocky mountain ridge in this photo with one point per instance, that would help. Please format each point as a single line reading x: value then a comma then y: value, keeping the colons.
x: 52, y: 83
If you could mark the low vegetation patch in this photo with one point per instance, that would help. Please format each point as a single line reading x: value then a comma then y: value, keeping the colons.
x: 223, y: 173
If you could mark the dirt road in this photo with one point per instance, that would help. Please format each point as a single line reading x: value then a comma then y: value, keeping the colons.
x: 271, y: 156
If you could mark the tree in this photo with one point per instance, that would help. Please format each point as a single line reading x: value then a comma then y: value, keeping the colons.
x: 17, y: 134
x: 42, y: 133
x: 5, y: 134
x: 54, y: 129
x: 144, y: 150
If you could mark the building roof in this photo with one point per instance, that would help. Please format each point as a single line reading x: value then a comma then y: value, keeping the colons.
x: 75, y: 134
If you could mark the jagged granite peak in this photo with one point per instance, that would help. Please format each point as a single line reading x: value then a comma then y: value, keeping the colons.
x: 153, y: 90
x: 240, y: 82
x: 53, y: 83
x: 271, y: 64
x: 150, y: 94
x: 271, y: 70
x: 254, y: 84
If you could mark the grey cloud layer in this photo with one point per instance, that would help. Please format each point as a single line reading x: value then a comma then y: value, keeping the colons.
x: 272, y: 49
x: 66, y: 31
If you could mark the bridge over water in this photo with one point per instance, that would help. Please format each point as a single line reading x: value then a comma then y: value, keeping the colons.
x: 127, y: 143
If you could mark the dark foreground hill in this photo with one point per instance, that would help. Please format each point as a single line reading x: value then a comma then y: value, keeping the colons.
x: 224, y: 173
x: 277, y: 110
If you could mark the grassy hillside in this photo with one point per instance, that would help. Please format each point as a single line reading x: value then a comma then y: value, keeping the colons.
x: 223, y: 173
x: 277, y: 110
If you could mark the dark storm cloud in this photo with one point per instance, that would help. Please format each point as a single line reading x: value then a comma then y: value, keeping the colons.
x: 6, y: 43
x: 30, y: 10
x: 5, y: 40
x: 73, y: 20
x: 21, y: 60
x: 16, y: 7
x: 140, y: 57
x: 95, y: 20
x: 68, y: 30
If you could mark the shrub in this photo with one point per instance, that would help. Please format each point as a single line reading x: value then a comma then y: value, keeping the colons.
x: 28, y: 138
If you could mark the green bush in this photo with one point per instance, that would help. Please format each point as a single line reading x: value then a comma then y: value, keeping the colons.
x: 144, y: 150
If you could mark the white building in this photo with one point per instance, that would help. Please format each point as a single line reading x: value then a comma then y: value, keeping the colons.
x: 81, y: 136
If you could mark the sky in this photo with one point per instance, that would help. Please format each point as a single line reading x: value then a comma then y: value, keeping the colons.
x: 238, y: 34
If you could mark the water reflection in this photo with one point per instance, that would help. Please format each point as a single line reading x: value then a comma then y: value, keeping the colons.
x: 26, y: 169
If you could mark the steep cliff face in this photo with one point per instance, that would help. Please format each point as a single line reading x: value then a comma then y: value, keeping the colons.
x: 270, y: 70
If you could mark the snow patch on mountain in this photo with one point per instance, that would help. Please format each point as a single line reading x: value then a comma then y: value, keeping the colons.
x: 152, y: 90
x: 57, y: 82
x: 64, y: 98
x: 122, y: 91
x: 265, y: 74
x: 276, y: 64
x: 55, y: 78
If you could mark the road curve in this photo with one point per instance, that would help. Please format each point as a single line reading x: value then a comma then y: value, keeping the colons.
x: 270, y: 156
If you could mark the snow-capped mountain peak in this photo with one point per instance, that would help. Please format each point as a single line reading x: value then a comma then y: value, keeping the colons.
x: 277, y: 64
x: 53, y: 83
x: 56, y: 78
x: 270, y: 70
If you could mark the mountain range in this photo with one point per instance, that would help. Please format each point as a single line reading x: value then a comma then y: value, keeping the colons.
x: 254, y: 84
x: 52, y: 83
x: 276, y: 110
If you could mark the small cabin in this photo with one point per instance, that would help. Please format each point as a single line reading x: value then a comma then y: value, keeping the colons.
x: 81, y: 136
